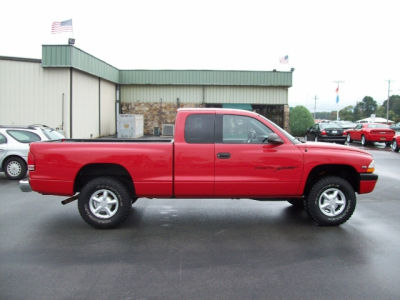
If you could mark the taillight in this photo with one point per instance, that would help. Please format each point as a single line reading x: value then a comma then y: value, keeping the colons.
x: 323, y: 132
x: 31, y: 162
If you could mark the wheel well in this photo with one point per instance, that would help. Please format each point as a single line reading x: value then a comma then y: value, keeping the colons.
x: 344, y: 171
x: 89, y: 172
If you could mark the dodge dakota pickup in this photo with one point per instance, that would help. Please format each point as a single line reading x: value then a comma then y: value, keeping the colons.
x: 215, y: 153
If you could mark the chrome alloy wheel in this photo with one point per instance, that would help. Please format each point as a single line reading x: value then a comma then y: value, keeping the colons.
x: 332, y: 202
x: 14, y: 168
x: 394, y: 145
x: 103, y: 204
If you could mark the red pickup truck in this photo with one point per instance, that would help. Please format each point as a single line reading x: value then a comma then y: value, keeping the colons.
x: 216, y: 153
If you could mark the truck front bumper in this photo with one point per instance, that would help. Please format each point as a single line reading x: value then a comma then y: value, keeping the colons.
x: 24, y: 185
x: 367, y: 182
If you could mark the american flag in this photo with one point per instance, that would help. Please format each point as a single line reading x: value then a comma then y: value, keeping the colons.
x: 284, y: 59
x: 337, y: 94
x: 63, y: 26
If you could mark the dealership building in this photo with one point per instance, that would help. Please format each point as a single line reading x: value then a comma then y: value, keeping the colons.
x: 82, y: 95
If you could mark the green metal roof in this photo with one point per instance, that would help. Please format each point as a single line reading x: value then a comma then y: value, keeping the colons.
x: 55, y: 56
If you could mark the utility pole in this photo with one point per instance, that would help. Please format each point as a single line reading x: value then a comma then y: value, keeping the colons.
x: 315, y: 106
x: 387, y: 103
x: 337, y: 97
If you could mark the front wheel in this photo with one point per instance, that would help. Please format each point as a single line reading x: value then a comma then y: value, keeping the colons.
x: 331, y: 201
x: 348, y: 139
x: 395, y: 146
x: 104, y: 203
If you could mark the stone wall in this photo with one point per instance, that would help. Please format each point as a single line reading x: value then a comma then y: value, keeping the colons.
x: 154, y: 114
x: 286, y: 124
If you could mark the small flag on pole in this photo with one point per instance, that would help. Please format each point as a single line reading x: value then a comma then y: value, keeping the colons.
x: 63, y: 26
x: 337, y: 94
x: 284, y: 59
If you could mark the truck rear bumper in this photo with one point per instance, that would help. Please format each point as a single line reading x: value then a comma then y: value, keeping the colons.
x: 367, y: 183
x: 24, y: 185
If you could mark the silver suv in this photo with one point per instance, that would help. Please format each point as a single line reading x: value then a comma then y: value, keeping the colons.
x: 14, y: 146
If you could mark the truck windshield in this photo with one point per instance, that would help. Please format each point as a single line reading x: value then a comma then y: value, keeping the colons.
x: 284, y: 132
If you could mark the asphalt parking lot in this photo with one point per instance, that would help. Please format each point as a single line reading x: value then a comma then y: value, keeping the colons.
x: 202, y: 249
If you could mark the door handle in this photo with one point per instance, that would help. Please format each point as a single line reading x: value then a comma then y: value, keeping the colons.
x: 224, y: 155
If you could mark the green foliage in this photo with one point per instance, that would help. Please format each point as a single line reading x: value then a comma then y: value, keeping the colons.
x: 300, y: 120
x: 324, y: 115
x: 364, y: 109
x: 346, y: 114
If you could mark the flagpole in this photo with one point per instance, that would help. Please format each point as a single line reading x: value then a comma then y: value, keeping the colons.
x: 337, y: 97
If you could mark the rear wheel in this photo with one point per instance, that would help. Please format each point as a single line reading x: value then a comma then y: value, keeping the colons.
x: 363, y: 140
x: 331, y: 201
x: 395, y: 146
x: 104, y: 203
x: 348, y: 139
x: 15, y: 168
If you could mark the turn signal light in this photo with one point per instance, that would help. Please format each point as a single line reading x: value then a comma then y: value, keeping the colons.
x: 371, y: 167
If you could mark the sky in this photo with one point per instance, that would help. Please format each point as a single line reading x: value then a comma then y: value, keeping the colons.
x: 356, y: 42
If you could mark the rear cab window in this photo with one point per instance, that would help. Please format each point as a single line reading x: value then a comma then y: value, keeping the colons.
x: 200, y: 129
x: 24, y: 136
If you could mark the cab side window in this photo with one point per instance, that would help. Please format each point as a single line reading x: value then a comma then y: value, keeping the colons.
x: 200, y: 129
x: 243, y: 130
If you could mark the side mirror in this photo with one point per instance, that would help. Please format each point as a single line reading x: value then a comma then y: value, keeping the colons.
x: 274, y: 139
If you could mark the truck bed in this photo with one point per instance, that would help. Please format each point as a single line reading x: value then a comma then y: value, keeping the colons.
x: 148, y: 163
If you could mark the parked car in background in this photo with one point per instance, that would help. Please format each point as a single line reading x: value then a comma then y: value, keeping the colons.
x: 14, y: 146
x: 346, y: 124
x: 395, y: 127
x: 326, y: 132
x: 396, y: 143
x: 371, y: 132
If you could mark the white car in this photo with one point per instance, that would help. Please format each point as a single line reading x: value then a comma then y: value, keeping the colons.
x: 14, y: 147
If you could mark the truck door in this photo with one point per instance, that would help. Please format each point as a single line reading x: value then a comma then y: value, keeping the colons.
x: 194, y: 154
x: 245, y: 166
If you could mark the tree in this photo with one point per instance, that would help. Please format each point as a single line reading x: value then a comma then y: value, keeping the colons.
x: 300, y: 120
x: 346, y: 113
x: 365, y: 108
x: 394, y: 108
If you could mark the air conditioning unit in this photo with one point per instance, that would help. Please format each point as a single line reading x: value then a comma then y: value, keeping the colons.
x: 168, y: 129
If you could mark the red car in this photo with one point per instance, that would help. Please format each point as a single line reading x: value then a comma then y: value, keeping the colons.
x: 396, y: 143
x: 371, y: 132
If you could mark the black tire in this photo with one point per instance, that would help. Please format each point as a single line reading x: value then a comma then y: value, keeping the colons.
x: 111, y: 207
x: 364, y: 141
x: 297, y: 203
x: 316, y: 138
x: 395, y: 146
x: 326, y: 213
x: 15, y: 168
x: 348, y: 139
